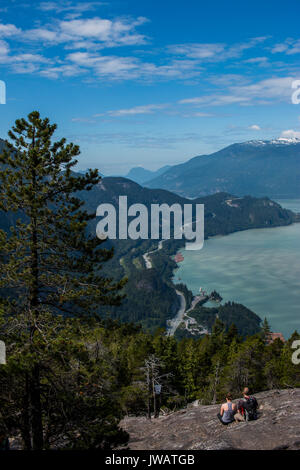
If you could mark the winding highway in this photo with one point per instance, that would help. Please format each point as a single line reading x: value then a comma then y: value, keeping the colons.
x: 174, y: 322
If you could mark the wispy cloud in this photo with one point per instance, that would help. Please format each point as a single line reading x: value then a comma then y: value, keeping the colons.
x: 197, y: 51
x: 96, y: 31
x: 65, y: 6
x: 263, y: 92
x: 289, y: 47
x: 260, y: 61
x: 214, y: 51
x: 141, y: 140
x: 20, y: 62
x: 147, y: 109
x: 120, y: 68
x: 93, y: 48
x: 197, y: 115
x: 215, y: 100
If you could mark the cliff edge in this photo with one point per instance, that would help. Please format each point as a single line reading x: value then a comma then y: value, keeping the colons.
x: 197, y: 427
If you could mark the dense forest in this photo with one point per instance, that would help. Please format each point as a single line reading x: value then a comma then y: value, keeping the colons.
x: 94, y: 374
x: 229, y: 313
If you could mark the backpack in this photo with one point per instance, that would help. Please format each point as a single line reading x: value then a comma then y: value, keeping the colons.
x: 250, y: 407
x: 4, y: 443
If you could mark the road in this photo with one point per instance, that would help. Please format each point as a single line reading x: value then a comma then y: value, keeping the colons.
x: 174, y: 322
x: 182, y: 312
x: 146, y: 256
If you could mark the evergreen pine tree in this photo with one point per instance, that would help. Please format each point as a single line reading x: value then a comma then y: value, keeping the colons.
x: 266, y: 329
x: 49, y: 262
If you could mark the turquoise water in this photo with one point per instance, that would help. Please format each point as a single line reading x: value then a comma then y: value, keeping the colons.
x: 259, y: 268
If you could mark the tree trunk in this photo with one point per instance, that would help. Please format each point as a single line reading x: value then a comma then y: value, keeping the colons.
x: 36, y: 410
x: 148, y: 396
x: 34, y: 385
x: 26, y: 434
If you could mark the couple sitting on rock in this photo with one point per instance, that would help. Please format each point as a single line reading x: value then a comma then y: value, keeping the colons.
x: 245, y: 410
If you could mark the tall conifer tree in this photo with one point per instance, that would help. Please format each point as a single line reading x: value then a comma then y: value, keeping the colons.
x: 49, y: 262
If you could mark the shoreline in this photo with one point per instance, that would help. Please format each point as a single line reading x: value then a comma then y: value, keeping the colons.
x: 266, y: 265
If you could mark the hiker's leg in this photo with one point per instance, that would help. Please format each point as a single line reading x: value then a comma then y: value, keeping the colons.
x: 239, y: 417
x: 220, y: 418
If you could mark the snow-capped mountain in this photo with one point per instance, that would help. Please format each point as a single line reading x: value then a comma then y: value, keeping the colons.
x: 257, y: 167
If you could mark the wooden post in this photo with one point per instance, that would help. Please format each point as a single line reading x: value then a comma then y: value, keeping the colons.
x: 148, y: 393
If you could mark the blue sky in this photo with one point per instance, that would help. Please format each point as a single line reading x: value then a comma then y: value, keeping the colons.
x: 152, y: 82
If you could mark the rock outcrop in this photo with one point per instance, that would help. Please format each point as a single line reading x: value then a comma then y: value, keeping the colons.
x: 197, y: 427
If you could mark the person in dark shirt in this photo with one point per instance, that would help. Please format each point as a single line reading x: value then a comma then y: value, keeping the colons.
x: 247, y: 407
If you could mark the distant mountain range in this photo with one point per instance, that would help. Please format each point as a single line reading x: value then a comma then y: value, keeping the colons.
x: 151, y: 297
x: 141, y: 175
x: 150, y: 294
x: 256, y: 168
x: 224, y: 213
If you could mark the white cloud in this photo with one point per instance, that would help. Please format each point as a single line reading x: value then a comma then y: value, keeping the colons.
x: 62, y: 70
x: 45, y: 35
x: 114, y: 66
x: 94, y: 31
x: 89, y: 28
x: 82, y: 41
x: 29, y: 58
x: 254, y: 127
x: 7, y: 30
x: 290, y: 134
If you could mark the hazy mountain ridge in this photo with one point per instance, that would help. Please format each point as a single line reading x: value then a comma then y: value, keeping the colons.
x: 142, y: 175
